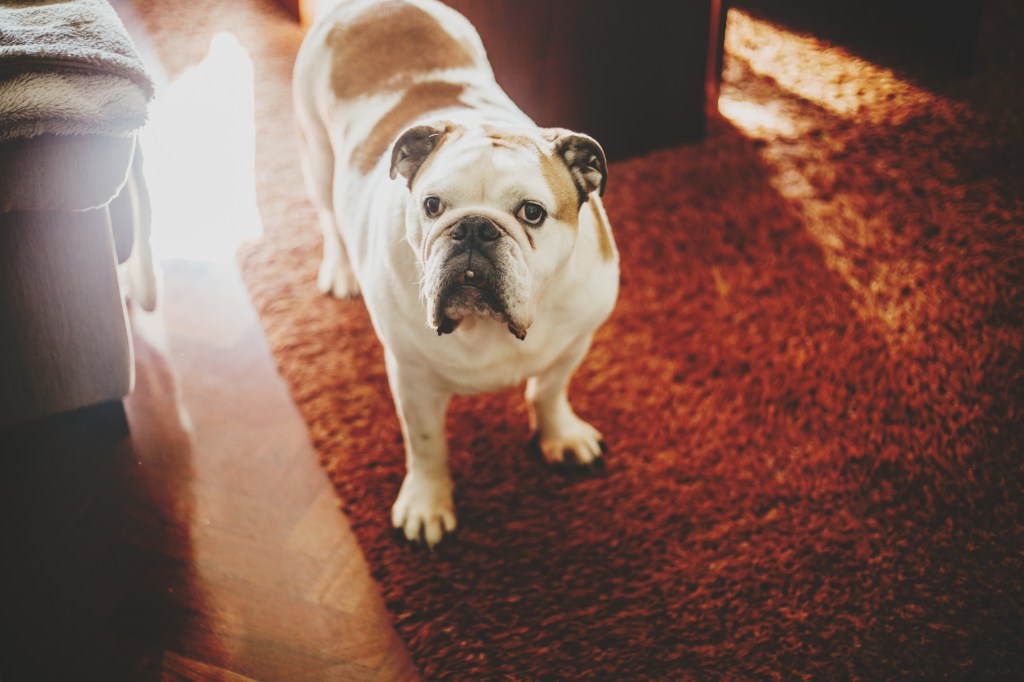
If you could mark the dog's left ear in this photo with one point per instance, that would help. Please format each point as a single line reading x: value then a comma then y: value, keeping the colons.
x: 584, y: 157
x: 413, y: 147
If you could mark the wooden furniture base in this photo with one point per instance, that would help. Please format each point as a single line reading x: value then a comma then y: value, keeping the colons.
x: 64, y: 340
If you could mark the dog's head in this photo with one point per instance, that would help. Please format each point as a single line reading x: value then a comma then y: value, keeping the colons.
x: 493, y: 215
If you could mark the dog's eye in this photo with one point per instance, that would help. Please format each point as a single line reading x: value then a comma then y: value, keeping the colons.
x: 531, y: 213
x: 432, y: 206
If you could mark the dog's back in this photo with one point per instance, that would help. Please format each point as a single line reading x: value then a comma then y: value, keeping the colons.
x: 411, y: 58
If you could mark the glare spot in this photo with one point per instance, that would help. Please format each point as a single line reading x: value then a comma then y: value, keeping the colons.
x: 199, y: 149
x: 756, y: 119
x: 832, y: 78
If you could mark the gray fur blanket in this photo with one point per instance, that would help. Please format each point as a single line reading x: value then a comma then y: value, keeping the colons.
x: 68, y: 67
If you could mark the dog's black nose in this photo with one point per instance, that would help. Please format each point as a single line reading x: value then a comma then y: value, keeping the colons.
x: 475, y: 228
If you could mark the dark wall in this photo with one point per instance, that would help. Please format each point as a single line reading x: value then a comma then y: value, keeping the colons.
x: 926, y: 36
x: 632, y: 74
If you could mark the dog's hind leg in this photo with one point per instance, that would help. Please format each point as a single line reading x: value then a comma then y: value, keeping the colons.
x: 336, y: 276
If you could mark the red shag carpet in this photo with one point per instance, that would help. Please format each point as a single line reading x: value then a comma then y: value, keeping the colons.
x: 811, y: 389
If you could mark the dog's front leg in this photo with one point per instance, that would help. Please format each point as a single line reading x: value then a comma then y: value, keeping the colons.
x: 424, y: 510
x: 564, y: 437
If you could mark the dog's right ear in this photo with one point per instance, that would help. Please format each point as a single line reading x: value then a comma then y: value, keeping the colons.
x: 413, y: 147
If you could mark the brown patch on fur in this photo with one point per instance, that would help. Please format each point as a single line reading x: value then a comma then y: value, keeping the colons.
x: 514, y: 142
x: 604, y: 234
x: 389, y: 44
x: 420, y: 99
x: 505, y: 144
x: 567, y: 197
x: 506, y: 140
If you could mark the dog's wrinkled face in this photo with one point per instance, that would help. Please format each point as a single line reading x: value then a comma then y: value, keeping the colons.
x: 492, y: 215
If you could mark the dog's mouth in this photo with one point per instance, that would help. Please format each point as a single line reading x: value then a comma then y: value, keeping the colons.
x: 471, y: 286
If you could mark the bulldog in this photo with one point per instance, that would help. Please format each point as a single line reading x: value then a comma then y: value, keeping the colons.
x: 477, y: 239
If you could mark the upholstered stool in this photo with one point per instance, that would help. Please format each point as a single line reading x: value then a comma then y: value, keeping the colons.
x: 73, y: 96
x: 64, y: 340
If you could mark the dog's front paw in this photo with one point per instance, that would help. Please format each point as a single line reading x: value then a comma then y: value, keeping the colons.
x: 424, y: 510
x: 337, y: 280
x: 574, y: 442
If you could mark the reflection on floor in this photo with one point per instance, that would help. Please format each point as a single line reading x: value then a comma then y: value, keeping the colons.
x: 206, y: 543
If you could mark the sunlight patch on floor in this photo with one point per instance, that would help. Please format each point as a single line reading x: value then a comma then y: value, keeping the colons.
x: 813, y: 103
x: 833, y: 79
x: 756, y: 118
x: 200, y: 158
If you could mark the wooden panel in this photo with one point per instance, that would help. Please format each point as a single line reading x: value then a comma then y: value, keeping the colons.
x: 633, y: 75
x: 63, y: 336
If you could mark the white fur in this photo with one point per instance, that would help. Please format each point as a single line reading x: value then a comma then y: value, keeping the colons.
x: 378, y: 242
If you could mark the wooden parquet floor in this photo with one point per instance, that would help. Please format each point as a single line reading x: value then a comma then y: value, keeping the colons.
x: 206, y: 544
